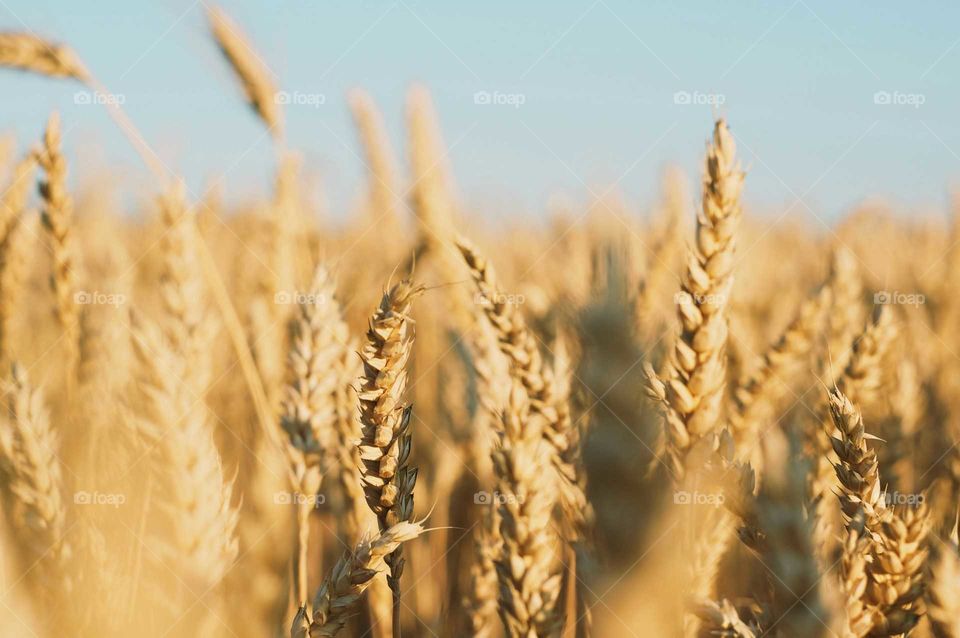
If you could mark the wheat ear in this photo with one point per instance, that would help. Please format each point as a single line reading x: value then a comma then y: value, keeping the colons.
x: 895, y: 541
x: 943, y: 592
x: 379, y: 156
x: 12, y: 205
x: 31, y: 477
x: 249, y: 68
x: 57, y: 218
x: 309, y: 410
x: 845, y: 319
x: 174, y: 369
x: 757, y: 397
x: 430, y: 192
x: 480, y: 601
x: 519, y: 346
x: 694, y: 387
x: 385, y: 441
x: 338, y: 596
x: 859, y: 382
x: 899, y: 569
x: 198, y: 497
x: 723, y: 619
x: 30, y: 53
x: 527, y: 565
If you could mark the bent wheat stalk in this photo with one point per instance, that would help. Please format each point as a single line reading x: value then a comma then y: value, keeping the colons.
x: 338, y: 596
x: 249, y: 69
x: 29, y: 53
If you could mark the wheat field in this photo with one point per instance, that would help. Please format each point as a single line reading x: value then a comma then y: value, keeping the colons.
x: 247, y: 420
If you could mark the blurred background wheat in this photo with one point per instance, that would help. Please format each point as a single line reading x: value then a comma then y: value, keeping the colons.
x: 243, y: 419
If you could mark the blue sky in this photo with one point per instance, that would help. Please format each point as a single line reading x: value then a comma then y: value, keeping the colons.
x: 598, y: 80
